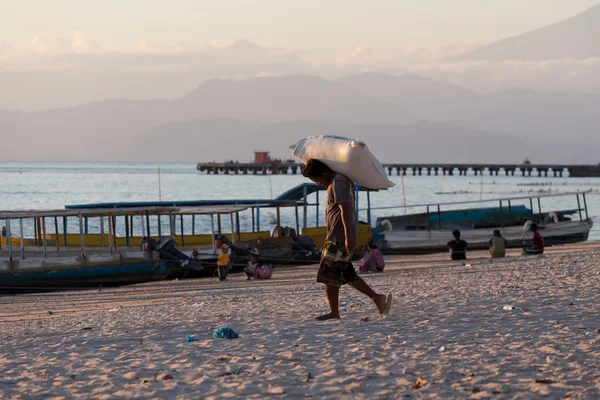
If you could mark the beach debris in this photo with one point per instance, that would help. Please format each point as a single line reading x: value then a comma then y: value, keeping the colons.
x: 114, y: 309
x: 167, y: 377
x: 50, y: 313
x: 441, y: 349
x: 73, y: 376
x: 364, y: 318
x: 190, y: 338
x: 418, y: 383
x: 234, y: 372
x: 308, y: 376
x: 87, y: 328
x: 475, y: 390
x: 508, y: 308
x: 225, y: 332
x: 545, y: 381
x: 275, y: 390
x: 550, y: 359
x: 100, y: 288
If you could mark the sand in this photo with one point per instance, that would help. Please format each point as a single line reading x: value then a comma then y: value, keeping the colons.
x: 448, y: 336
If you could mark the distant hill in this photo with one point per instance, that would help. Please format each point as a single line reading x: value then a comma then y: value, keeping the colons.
x: 231, y: 118
x: 576, y: 37
x: 219, y: 140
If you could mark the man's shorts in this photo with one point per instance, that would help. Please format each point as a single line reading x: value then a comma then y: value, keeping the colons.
x: 336, y: 268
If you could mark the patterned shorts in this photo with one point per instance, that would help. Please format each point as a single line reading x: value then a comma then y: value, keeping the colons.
x: 336, y: 268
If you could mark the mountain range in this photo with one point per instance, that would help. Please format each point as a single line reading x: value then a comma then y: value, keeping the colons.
x: 402, y: 118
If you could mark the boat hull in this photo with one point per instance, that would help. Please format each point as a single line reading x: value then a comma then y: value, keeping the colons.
x: 434, y: 241
x: 89, y: 276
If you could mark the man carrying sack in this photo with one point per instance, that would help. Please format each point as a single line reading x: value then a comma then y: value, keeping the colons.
x: 336, y: 268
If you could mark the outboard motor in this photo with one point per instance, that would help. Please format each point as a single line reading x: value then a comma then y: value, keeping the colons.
x: 148, y: 245
x: 168, y: 251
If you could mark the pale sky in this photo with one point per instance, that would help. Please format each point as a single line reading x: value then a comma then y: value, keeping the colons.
x: 307, y: 24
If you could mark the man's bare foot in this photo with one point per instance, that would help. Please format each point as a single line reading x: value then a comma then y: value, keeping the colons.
x: 327, y: 317
x: 379, y: 301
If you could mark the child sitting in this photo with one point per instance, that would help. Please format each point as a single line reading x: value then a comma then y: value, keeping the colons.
x: 373, y: 260
x: 252, y: 266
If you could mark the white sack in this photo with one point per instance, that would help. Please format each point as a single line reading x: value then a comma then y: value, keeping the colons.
x: 350, y: 157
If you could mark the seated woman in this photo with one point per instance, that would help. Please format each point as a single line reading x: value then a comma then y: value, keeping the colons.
x: 373, y: 260
x: 497, y: 245
x: 538, y: 242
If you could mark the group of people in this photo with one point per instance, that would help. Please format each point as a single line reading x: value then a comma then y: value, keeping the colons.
x: 254, y: 269
x: 497, y: 245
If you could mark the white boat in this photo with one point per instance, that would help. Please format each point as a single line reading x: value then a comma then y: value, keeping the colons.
x: 431, y: 231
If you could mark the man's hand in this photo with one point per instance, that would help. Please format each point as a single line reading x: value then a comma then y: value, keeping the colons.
x: 350, y: 245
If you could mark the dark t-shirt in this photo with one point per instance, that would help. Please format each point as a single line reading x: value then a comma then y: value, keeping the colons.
x: 340, y: 190
x: 458, y: 248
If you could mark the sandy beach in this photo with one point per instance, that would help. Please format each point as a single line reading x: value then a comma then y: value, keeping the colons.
x: 512, y: 328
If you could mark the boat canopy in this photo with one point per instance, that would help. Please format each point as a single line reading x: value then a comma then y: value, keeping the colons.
x: 298, y: 193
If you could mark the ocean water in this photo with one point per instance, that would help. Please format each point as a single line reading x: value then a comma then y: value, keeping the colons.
x: 49, y: 185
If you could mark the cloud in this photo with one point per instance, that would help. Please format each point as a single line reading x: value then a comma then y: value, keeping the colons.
x: 77, y: 42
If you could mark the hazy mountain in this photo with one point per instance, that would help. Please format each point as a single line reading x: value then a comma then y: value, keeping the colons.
x: 276, y: 99
x: 264, y: 112
x: 571, y: 38
x: 421, y: 142
x: 533, y: 116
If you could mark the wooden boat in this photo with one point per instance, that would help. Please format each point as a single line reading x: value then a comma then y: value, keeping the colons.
x: 430, y: 231
x: 50, y: 262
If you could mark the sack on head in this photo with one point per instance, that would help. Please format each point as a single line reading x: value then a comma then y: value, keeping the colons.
x: 350, y: 157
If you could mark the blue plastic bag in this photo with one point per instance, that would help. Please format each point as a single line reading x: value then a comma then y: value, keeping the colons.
x: 225, y: 332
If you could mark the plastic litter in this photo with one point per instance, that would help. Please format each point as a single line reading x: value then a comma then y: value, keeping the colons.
x: 508, y: 308
x: 190, y: 338
x: 441, y: 349
x: 225, y: 332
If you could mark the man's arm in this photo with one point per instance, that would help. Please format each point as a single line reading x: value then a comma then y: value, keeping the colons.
x: 347, y: 221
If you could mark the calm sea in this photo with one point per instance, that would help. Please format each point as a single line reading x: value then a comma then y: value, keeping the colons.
x: 46, y: 185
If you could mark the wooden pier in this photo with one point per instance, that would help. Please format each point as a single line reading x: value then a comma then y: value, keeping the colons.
x: 539, y: 170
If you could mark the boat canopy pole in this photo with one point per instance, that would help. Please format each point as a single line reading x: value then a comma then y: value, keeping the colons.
x: 127, y: 231
x: 147, y: 224
x: 22, y: 241
x: 297, y: 220
x: 181, y: 230
x: 258, y: 218
x: 56, y: 232
x: 579, y: 208
x: 65, y: 231
x: 502, y: 214
x: 172, y: 225
x: 439, y: 213
x: 316, y: 208
x: 253, y: 222
x: 540, y: 208
x: 101, y: 231
x: 237, y: 224
x: 114, y: 224
x: 585, y: 207
x: 9, y: 239
x: 43, y: 237
x: 159, y: 227
x: 232, y: 228
x: 305, y: 196
x: 193, y: 224
x: 81, y: 240
x: 143, y: 227
x: 428, y: 224
x: 110, y: 235
x: 531, y: 207
x: 509, y: 213
x: 369, y: 208
x: 212, y: 232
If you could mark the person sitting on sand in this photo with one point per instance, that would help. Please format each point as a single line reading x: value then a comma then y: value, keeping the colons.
x: 223, y: 263
x: 538, y: 242
x: 458, y: 247
x: 252, y: 266
x: 336, y: 269
x: 497, y: 245
x: 373, y: 259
